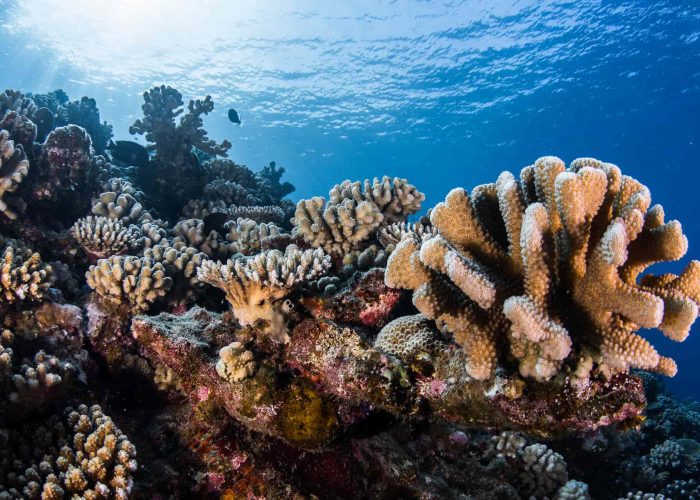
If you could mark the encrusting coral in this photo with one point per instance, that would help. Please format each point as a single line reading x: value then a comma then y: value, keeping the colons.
x: 83, y: 455
x: 546, y: 269
x: 354, y: 212
x: 255, y: 285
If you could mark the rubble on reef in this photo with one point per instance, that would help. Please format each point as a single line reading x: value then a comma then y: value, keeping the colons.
x: 250, y: 347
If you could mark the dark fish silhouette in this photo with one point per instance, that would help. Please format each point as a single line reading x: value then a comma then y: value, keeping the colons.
x: 215, y: 222
x: 130, y: 152
x: 233, y: 116
x: 44, y: 120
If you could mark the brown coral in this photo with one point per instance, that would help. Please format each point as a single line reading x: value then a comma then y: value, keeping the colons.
x: 548, y: 267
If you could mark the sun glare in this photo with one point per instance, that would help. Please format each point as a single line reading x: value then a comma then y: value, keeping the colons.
x: 118, y: 35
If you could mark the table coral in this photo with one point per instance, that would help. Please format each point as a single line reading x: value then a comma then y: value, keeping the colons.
x: 547, y: 268
x: 14, y: 167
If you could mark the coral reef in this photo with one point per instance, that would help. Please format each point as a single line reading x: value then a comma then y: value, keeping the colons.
x: 547, y: 268
x: 251, y: 348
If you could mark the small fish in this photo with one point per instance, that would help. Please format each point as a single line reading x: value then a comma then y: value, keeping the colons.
x: 215, y: 222
x: 233, y: 116
x: 130, y: 153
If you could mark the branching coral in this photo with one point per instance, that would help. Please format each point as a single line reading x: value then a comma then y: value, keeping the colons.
x: 14, y: 167
x: 245, y: 235
x: 181, y: 264
x: 101, y: 237
x: 354, y: 212
x: 22, y: 274
x: 175, y: 174
x: 235, y: 363
x: 133, y: 281
x: 27, y: 380
x: 86, y: 114
x: 83, y: 455
x: 66, y: 156
x: 121, y: 201
x: 548, y: 267
x: 14, y: 100
x: 21, y: 129
x: 192, y: 233
x: 254, y: 285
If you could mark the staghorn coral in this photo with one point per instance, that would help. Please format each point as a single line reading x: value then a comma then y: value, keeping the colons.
x: 245, y: 236
x: 134, y: 282
x: 354, y: 212
x: 408, y: 337
x: 102, y: 237
x: 82, y: 455
x: 254, y: 285
x: 235, y: 363
x: 14, y: 167
x: 548, y: 267
x: 23, y: 276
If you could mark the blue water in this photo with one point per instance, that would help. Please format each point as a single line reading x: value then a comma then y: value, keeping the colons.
x: 444, y: 93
